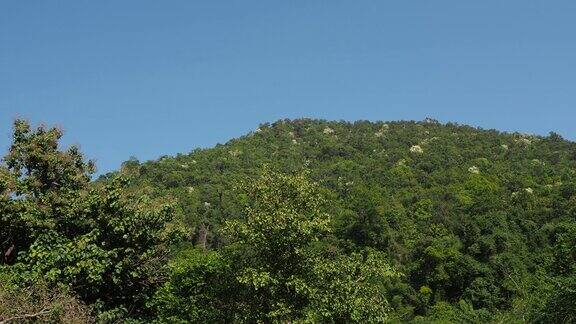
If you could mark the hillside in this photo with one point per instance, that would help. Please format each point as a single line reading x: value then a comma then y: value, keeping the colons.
x: 481, y: 223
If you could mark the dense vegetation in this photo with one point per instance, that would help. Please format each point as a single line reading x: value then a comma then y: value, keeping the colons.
x: 301, y: 220
x: 60, y: 234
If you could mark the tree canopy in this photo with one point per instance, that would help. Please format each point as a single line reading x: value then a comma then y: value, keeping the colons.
x: 93, y: 240
x: 299, y: 221
x: 474, y: 219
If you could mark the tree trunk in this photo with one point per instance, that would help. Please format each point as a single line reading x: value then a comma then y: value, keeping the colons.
x: 202, y: 236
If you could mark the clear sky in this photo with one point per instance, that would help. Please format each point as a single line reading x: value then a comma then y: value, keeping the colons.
x: 147, y: 78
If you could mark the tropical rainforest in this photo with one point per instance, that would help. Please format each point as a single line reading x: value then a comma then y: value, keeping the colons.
x: 306, y: 221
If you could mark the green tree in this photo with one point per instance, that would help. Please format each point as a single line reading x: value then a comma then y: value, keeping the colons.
x: 280, y: 264
x: 201, y: 289
x: 54, y: 223
x: 289, y: 265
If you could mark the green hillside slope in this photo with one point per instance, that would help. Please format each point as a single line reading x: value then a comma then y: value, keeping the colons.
x: 482, y: 224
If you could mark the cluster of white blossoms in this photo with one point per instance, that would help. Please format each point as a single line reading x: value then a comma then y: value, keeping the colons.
x: 524, y: 141
x: 428, y: 140
x: 190, y: 189
x: 342, y: 181
x: 504, y: 146
x: 527, y: 190
x: 474, y: 169
x: 235, y: 153
x: 382, y: 131
x: 328, y: 131
x: 537, y: 162
x: 416, y: 149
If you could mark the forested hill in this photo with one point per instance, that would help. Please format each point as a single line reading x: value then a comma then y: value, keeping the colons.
x: 301, y: 221
x: 479, y: 222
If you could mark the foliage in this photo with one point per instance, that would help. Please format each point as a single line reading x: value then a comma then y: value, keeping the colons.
x: 481, y: 224
x: 278, y: 265
x: 109, y: 248
x: 39, y: 303
x: 349, y: 288
x: 200, y: 289
x: 472, y: 217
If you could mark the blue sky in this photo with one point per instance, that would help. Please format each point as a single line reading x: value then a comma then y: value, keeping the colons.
x: 147, y: 78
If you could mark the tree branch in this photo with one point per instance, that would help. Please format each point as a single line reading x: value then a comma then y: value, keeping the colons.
x: 26, y: 316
